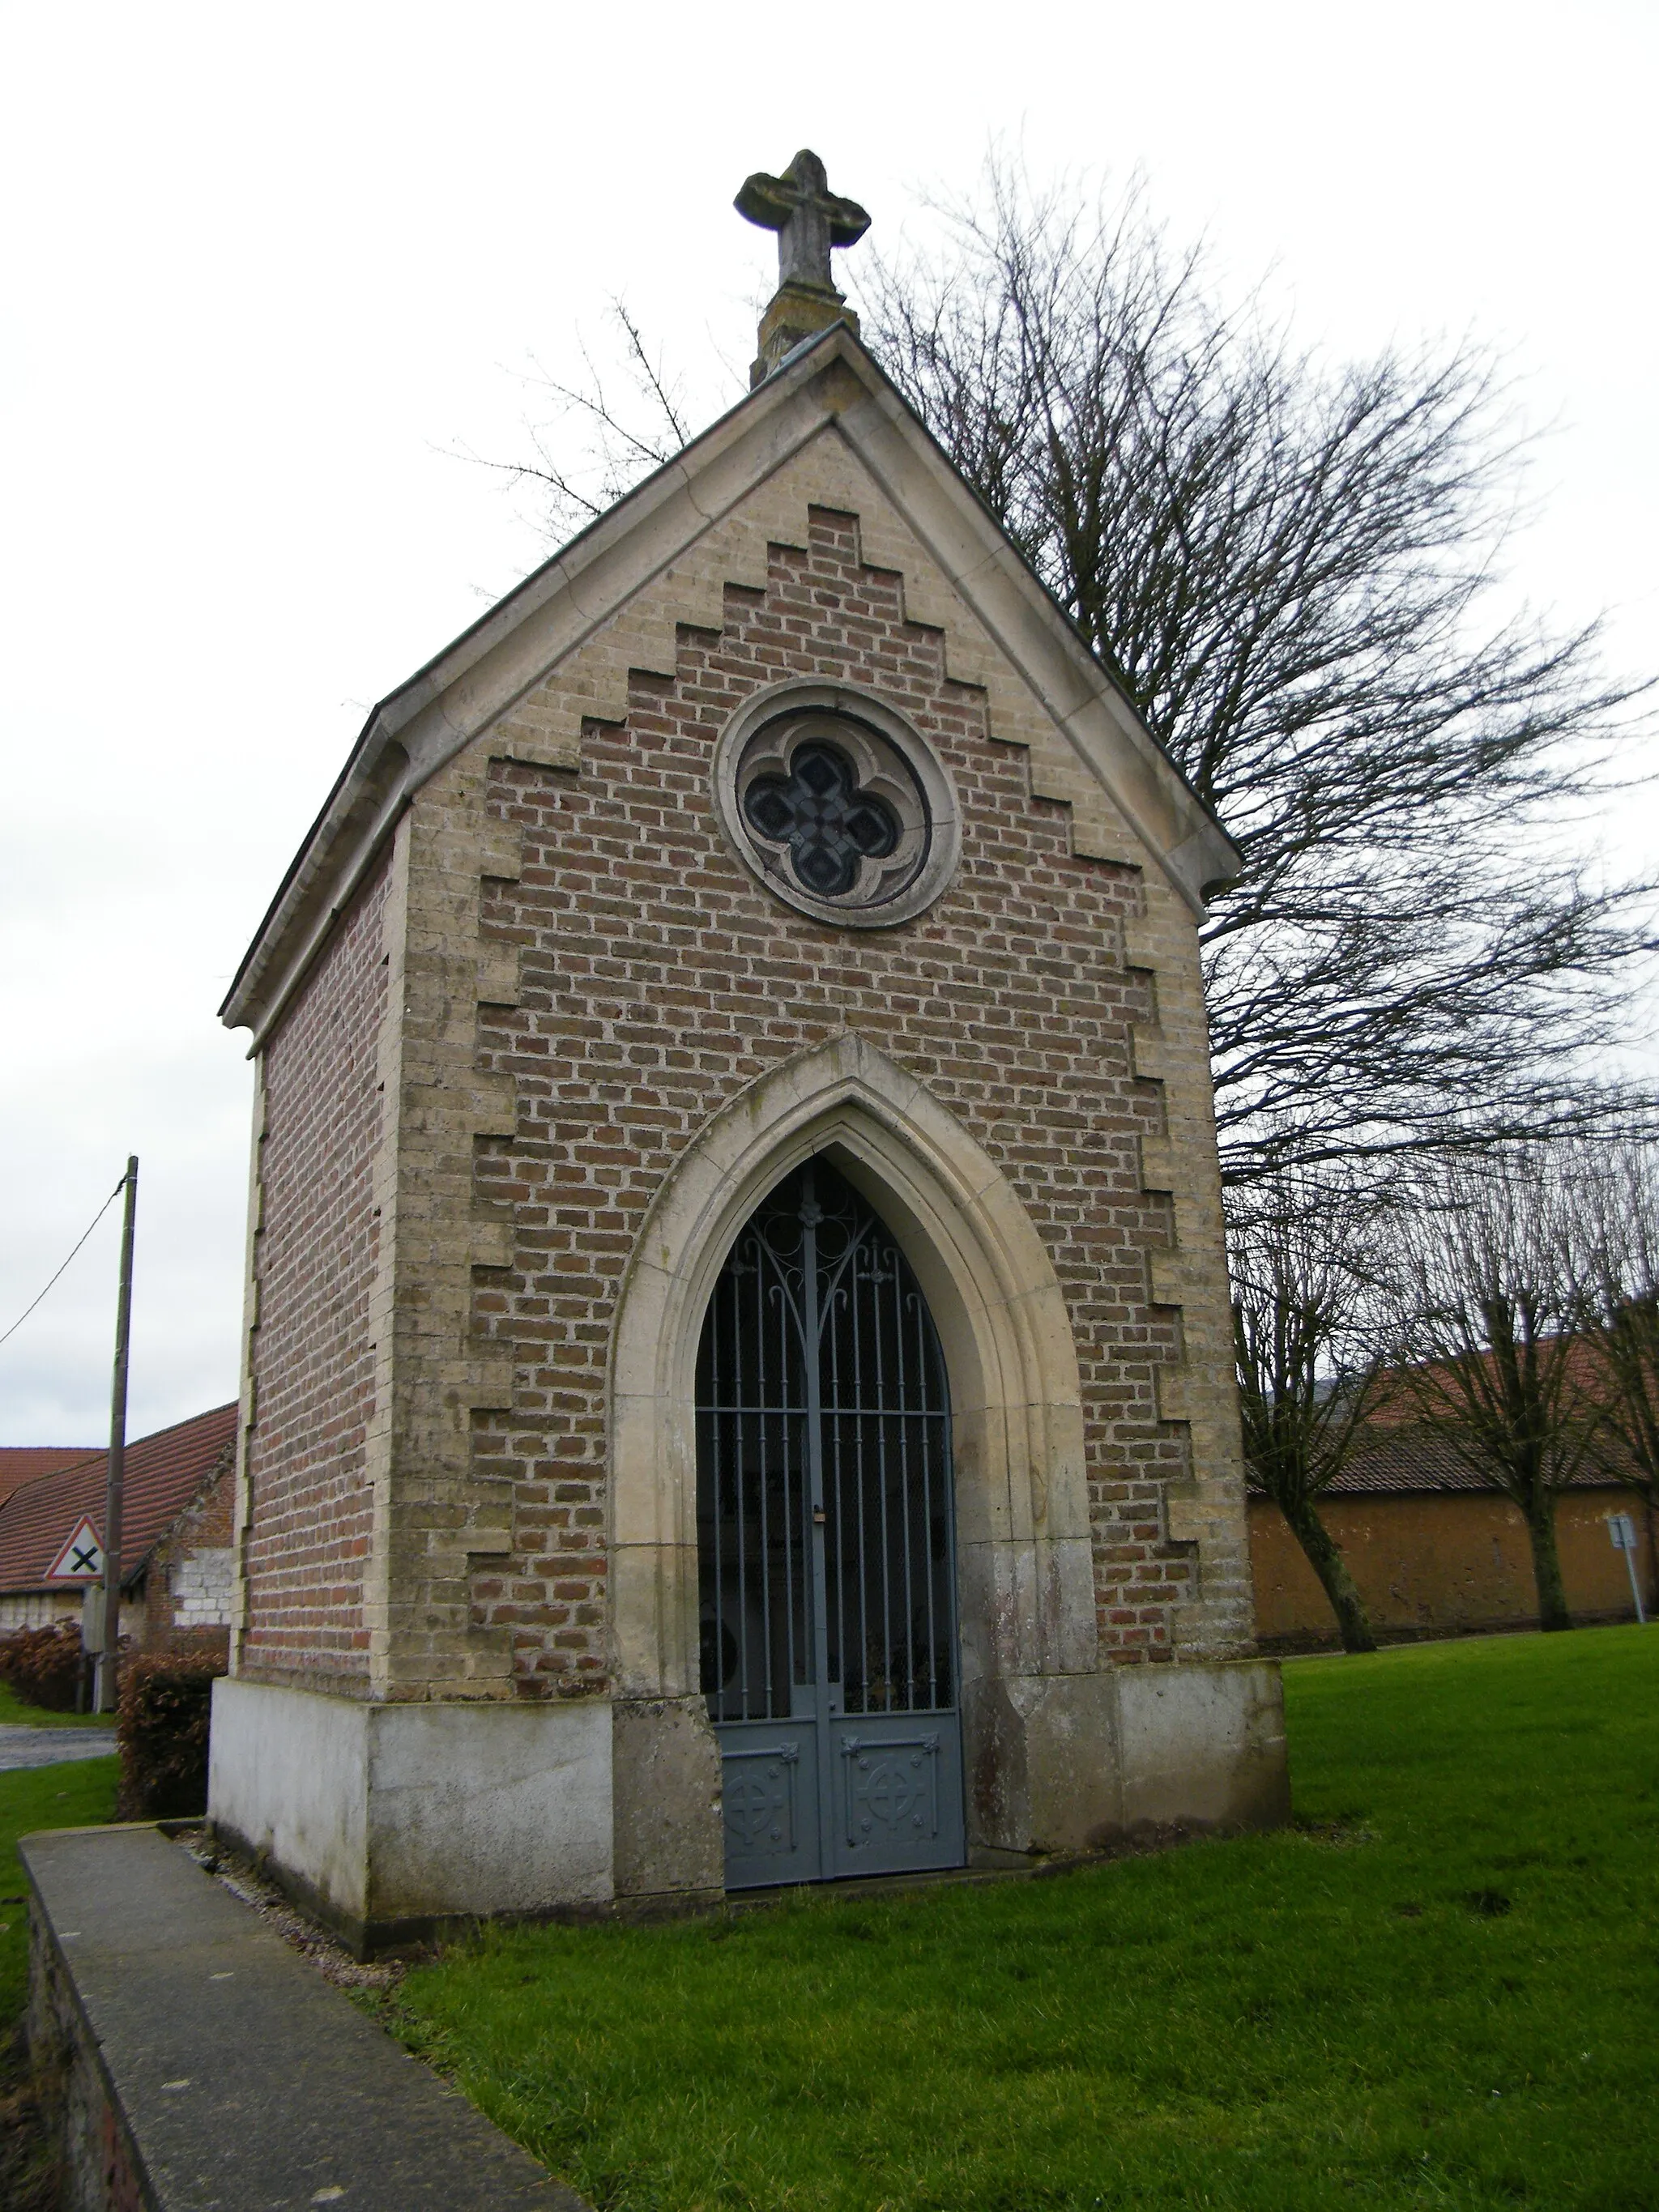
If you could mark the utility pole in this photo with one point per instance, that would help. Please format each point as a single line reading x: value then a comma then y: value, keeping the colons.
x: 104, y: 1701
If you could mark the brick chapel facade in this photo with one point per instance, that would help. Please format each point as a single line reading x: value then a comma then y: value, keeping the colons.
x: 541, y: 1019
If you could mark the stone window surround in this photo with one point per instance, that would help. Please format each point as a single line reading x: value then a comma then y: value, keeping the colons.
x: 915, y: 784
x: 1032, y: 1671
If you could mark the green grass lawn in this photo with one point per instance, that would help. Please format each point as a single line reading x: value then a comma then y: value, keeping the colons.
x: 1439, y: 1990
x: 73, y: 1795
x: 12, y: 1708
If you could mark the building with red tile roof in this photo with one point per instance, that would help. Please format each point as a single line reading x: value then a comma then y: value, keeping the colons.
x: 1436, y: 1550
x: 174, y: 1482
x: 20, y: 1463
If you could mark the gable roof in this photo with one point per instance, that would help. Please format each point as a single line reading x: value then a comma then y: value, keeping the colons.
x: 474, y: 681
x: 160, y: 1475
x: 20, y: 1463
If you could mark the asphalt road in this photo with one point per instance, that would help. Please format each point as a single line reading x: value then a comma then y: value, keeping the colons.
x: 23, y: 1746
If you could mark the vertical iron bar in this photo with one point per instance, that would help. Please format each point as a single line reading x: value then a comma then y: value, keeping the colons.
x: 811, y: 1353
x: 833, y: 1500
x: 947, y: 1487
x: 928, y: 1505
x: 876, y: 1257
x: 740, y: 1400
x: 769, y: 1702
x: 811, y: 1596
x: 718, y: 1423
x: 791, y: 1518
x: 863, y: 1582
x: 907, y: 1501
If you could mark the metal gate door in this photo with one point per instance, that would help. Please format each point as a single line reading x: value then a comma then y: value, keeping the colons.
x: 826, y: 1557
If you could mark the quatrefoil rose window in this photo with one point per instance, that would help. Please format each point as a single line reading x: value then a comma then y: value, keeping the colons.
x: 830, y: 824
x: 838, y: 804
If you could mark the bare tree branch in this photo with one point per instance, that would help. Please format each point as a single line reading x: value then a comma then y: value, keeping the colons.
x: 618, y: 441
x: 1290, y: 565
x: 1293, y: 567
x: 1616, y: 1273
x: 1304, y: 1278
x: 1488, y: 1350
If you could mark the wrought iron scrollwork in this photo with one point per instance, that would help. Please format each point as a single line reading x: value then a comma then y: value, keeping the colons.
x: 824, y: 1510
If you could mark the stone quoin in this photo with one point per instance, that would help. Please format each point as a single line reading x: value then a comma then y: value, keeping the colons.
x: 778, y: 845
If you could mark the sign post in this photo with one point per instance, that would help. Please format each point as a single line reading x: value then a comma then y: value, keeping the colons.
x: 1622, y: 1530
x: 108, y: 1656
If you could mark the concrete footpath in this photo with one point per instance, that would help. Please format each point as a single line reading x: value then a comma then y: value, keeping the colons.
x: 23, y: 1746
x: 201, y: 2065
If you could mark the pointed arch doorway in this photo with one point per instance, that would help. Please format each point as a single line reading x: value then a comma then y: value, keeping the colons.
x: 826, y: 1547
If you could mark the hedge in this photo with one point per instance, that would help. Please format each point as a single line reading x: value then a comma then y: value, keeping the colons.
x: 42, y: 1665
x: 161, y: 1735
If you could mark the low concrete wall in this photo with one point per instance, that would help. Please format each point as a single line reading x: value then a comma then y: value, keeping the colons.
x: 666, y: 1786
x: 386, y: 1818
x: 287, y: 1776
x: 489, y: 1808
x: 98, y: 2165
x: 186, y: 2057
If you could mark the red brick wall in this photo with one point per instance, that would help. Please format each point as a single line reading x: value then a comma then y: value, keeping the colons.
x: 659, y: 979
x: 312, y: 1360
x: 205, y: 1525
x: 1435, y: 1565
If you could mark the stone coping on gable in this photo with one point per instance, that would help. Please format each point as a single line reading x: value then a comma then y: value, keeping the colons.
x: 191, y: 2060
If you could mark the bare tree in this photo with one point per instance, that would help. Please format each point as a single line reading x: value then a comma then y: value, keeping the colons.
x: 1615, y: 1191
x: 1304, y: 1280
x: 1291, y: 566
x: 1488, y: 1353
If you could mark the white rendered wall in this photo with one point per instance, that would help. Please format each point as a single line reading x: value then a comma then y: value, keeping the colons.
x: 38, y: 1608
x: 287, y: 1776
x: 386, y: 1813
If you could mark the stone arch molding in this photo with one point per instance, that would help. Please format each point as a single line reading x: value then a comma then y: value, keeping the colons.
x: 1025, y: 1571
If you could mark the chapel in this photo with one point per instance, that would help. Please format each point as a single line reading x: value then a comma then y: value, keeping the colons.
x: 738, y: 1385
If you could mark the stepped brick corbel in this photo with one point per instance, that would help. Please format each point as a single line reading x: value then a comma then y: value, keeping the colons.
x: 1203, y: 1511
x: 440, y: 1520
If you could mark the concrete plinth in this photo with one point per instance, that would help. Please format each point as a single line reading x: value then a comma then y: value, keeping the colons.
x: 1202, y: 1746
x: 1060, y: 1764
x: 386, y: 1819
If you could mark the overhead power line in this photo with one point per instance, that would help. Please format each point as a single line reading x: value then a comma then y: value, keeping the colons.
x: 63, y: 1270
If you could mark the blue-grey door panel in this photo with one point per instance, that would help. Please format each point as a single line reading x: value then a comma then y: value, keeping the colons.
x: 770, y: 1787
x: 897, y: 1794
x: 826, y: 1547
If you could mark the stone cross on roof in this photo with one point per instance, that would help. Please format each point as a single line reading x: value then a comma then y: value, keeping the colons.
x: 810, y: 220
x: 807, y: 216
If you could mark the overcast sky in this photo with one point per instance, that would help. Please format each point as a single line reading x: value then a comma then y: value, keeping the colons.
x: 268, y: 267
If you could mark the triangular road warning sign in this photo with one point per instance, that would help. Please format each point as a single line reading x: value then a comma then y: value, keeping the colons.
x: 82, y: 1559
